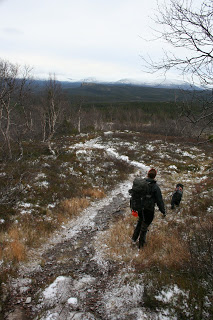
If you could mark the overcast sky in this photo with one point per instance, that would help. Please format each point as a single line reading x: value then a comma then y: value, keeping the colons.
x: 78, y: 39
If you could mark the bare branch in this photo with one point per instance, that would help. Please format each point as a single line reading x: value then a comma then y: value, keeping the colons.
x: 184, y: 26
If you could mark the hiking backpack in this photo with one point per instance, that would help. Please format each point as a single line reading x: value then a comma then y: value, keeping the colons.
x: 141, y: 195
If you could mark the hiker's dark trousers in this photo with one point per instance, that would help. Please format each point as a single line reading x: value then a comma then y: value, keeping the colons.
x: 144, y: 220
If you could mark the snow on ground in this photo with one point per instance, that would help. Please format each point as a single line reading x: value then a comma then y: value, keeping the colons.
x: 84, y: 221
x: 96, y: 143
x: 169, y: 294
x: 59, y: 290
x: 122, y: 295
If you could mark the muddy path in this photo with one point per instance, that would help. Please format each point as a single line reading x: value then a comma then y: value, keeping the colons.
x: 68, y: 266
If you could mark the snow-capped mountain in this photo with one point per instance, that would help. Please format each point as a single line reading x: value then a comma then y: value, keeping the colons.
x: 159, y: 83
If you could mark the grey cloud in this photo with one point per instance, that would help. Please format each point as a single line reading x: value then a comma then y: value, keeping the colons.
x: 13, y: 30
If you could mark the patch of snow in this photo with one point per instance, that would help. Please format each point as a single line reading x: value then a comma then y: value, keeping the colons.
x: 73, y: 172
x: 185, y: 153
x: 72, y: 301
x: 62, y: 175
x: 51, y: 316
x: 165, y: 315
x: 83, y: 282
x: 81, y: 152
x: 46, y: 165
x: 21, y: 284
x: 65, y: 314
x: 41, y: 184
x: 121, y: 298
x: 25, y: 205
x: 82, y: 135
x: 150, y: 147
x: 171, y: 293
x: 99, y: 252
x: 65, y: 164
x: 24, y: 289
x: 210, y: 209
x: 2, y: 174
x: 51, y: 205
x: 58, y: 291
x: 201, y: 178
x: 80, y: 316
x: 2, y: 221
x: 40, y: 176
x: 51, y: 157
x: 95, y: 143
x: 172, y: 167
x: 28, y: 300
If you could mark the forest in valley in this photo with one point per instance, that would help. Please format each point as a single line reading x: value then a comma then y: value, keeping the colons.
x: 39, y: 111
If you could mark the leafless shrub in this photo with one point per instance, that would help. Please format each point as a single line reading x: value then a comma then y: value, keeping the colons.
x: 186, y: 24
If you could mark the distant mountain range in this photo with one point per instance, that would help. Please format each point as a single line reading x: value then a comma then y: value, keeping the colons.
x: 170, y: 84
x: 125, y: 90
x: 161, y: 83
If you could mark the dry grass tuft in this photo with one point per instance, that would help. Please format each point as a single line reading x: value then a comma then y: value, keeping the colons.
x: 94, y: 193
x: 14, y: 249
x: 1, y: 253
x: 118, y: 240
x: 14, y: 233
x: 31, y: 232
x: 71, y: 207
x: 164, y: 249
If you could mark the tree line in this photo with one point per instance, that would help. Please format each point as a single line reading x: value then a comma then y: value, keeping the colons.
x: 28, y: 113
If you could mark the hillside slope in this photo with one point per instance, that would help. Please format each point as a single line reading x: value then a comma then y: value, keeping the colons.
x: 80, y: 273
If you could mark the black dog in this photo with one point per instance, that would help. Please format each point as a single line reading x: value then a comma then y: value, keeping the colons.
x: 177, y: 196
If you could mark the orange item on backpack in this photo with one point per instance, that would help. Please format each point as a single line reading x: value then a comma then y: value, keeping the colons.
x: 134, y: 213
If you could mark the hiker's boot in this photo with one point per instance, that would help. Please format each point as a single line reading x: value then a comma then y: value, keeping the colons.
x: 136, y: 231
x: 142, y: 239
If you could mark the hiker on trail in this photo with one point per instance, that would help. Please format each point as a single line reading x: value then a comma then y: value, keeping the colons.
x: 149, y: 194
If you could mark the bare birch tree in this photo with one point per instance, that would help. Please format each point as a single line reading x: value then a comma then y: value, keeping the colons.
x: 52, y: 110
x: 13, y: 84
x: 182, y: 24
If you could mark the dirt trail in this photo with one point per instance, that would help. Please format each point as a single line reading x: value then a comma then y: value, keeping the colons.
x: 73, y: 259
x: 68, y: 278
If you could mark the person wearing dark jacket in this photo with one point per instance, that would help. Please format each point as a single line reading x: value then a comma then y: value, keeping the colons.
x: 145, y: 216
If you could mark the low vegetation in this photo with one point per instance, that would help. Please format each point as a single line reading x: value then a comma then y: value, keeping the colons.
x: 176, y: 262
x: 43, y: 191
